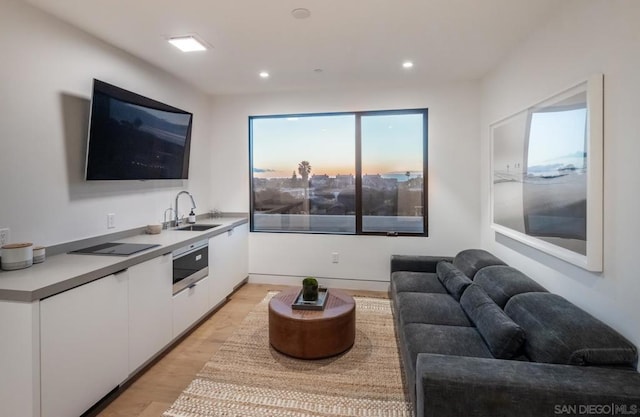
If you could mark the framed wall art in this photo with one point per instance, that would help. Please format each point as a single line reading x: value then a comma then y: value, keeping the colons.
x: 547, y: 175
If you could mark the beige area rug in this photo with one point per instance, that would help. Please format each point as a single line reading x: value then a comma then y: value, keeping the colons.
x: 248, y: 378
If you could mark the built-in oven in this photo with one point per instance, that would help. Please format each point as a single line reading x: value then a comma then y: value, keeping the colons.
x: 190, y: 265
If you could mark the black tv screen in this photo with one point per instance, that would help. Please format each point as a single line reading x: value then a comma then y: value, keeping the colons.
x: 132, y: 137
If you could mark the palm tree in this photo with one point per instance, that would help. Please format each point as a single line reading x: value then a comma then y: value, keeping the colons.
x: 304, y: 169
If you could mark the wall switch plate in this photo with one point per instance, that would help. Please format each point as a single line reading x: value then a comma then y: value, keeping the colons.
x: 111, y: 220
x: 335, y: 257
x: 4, y: 236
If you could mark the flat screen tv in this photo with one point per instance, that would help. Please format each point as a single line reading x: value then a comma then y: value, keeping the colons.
x: 132, y: 137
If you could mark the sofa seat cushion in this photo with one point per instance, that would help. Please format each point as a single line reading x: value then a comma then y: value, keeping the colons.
x: 502, y: 282
x: 453, y: 279
x: 441, y: 309
x: 416, y: 338
x: 560, y: 332
x: 445, y: 340
x: 503, y: 337
x: 470, y: 261
x: 405, y: 281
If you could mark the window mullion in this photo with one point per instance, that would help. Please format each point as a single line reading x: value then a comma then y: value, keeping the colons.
x: 358, y: 193
x: 425, y: 173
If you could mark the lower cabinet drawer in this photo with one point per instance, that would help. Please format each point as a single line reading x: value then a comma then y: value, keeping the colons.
x: 189, y: 305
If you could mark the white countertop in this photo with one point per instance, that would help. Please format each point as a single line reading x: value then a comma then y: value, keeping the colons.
x: 65, y: 271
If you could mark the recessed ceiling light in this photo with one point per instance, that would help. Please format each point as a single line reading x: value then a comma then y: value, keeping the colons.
x: 407, y: 64
x: 301, y: 13
x: 187, y: 43
x: 264, y: 74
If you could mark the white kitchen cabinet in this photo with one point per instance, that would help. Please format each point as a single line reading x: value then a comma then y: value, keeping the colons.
x: 84, y: 347
x: 228, y: 263
x: 219, y: 251
x: 150, y: 309
x: 20, y: 359
x: 189, y: 305
x: 62, y: 354
x: 240, y: 256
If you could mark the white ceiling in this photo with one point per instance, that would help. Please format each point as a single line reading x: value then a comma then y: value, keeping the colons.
x: 354, y: 42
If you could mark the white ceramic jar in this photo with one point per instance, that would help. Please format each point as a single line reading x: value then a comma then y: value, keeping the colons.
x: 38, y: 254
x: 17, y: 256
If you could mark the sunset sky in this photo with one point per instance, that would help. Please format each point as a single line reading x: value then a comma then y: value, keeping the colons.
x: 391, y: 143
x: 558, y: 136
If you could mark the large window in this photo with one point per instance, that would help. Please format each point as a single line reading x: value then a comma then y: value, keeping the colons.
x: 342, y: 173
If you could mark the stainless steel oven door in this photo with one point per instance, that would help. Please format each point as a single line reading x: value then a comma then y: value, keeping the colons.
x: 190, y: 265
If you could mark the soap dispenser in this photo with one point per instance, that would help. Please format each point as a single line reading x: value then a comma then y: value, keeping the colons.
x: 192, y: 217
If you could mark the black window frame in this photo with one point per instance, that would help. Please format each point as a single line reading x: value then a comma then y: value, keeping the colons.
x: 358, y: 170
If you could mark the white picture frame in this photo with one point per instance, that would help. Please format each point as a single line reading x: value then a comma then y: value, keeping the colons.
x: 547, y: 175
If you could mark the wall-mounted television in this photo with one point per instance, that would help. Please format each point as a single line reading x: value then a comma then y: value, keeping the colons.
x: 132, y: 137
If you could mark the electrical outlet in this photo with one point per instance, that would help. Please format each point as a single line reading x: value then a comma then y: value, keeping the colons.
x: 335, y: 257
x: 111, y: 220
x: 4, y: 236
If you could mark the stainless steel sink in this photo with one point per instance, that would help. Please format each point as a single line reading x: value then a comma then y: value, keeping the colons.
x: 198, y: 227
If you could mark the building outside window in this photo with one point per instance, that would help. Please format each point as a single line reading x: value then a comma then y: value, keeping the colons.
x: 340, y: 173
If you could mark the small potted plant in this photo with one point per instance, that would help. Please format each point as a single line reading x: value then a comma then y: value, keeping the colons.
x: 309, y: 289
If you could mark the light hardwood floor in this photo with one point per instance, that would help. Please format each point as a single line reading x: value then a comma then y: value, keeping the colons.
x: 161, y: 384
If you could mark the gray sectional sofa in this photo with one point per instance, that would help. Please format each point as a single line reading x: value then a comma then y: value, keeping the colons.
x: 480, y: 338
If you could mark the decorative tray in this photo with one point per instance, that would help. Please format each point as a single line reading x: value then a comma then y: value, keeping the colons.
x: 300, y: 304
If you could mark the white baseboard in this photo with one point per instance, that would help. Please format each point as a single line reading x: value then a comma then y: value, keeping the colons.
x: 347, y: 284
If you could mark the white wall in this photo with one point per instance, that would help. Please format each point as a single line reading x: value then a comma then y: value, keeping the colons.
x: 453, y: 179
x: 585, y: 37
x: 45, y: 87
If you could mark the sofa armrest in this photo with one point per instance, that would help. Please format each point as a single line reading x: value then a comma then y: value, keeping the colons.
x: 416, y: 263
x: 463, y: 386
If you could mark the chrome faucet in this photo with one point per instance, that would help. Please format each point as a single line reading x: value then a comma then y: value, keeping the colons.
x: 193, y: 205
x: 164, y: 218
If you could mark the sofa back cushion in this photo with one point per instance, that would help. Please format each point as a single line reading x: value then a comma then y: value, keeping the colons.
x: 501, y: 282
x: 560, y: 332
x: 471, y: 261
x: 503, y: 337
x: 453, y: 280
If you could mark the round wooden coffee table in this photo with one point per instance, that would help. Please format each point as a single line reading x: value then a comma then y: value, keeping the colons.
x: 308, y: 334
